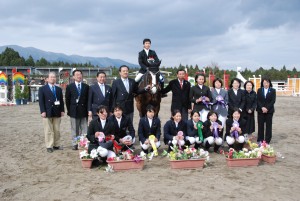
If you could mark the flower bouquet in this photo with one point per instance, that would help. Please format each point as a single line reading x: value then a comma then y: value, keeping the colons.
x: 188, y: 158
x: 126, y: 161
x: 243, y: 158
x: 82, y: 142
x: 268, y: 153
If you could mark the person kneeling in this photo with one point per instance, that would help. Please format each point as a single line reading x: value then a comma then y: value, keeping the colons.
x: 235, y: 128
x: 194, y: 130
x: 212, y: 131
x: 149, y: 125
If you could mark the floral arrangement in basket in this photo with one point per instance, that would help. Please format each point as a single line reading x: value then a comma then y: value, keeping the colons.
x: 128, y: 155
x: 82, y: 141
x: 85, y: 155
x: 186, y: 154
x: 267, y: 149
x: 244, y: 153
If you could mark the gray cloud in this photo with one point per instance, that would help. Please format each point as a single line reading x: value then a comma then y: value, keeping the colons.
x: 232, y: 33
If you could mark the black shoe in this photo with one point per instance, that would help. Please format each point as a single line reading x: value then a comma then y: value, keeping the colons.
x: 49, y: 150
x: 58, y: 148
x: 75, y: 147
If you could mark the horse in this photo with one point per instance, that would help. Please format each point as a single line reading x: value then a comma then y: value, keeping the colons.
x: 152, y: 96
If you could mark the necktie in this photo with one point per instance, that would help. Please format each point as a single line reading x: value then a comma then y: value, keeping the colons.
x: 53, y: 90
x: 79, y: 89
x: 126, y: 85
x: 181, y: 84
x: 102, y: 89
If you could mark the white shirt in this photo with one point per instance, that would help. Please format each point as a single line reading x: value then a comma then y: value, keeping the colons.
x: 126, y: 83
x: 176, y: 124
x: 266, y: 91
x: 218, y: 91
x: 78, y: 83
x: 147, y: 51
x: 119, y: 121
x: 200, y: 86
x: 103, y: 123
x: 150, y: 122
x: 235, y: 91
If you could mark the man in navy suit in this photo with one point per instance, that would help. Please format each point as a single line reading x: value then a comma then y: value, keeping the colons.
x: 99, y: 94
x: 123, y: 90
x: 76, y: 102
x: 180, y: 94
x: 52, y: 109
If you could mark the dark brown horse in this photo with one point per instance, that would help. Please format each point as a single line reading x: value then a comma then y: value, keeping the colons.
x: 152, y: 97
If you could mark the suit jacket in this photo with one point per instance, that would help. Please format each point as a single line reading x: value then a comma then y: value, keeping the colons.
x: 250, y: 101
x: 207, y: 131
x: 96, y: 126
x: 191, y: 131
x: 145, y: 130
x: 170, y: 130
x: 74, y: 109
x: 235, y: 101
x: 222, y: 110
x: 47, y: 99
x: 96, y: 98
x: 126, y: 127
x: 242, y: 125
x: 122, y: 97
x: 180, y: 97
x: 268, y: 101
x: 143, y: 60
x: 195, y: 93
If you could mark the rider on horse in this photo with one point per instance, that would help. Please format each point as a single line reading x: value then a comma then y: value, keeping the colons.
x: 148, y: 60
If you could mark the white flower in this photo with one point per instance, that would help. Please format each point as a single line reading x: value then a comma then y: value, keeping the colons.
x: 245, y: 150
x: 94, y: 153
x: 83, y: 154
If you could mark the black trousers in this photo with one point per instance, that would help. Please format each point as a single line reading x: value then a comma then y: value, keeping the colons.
x: 262, y: 120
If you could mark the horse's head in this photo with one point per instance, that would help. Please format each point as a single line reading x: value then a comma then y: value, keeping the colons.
x: 151, y: 79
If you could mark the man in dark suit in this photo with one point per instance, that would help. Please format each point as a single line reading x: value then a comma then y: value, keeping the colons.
x: 99, y: 94
x: 123, y: 90
x: 148, y: 60
x: 180, y: 94
x: 266, y: 97
x: 76, y: 102
x: 52, y: 109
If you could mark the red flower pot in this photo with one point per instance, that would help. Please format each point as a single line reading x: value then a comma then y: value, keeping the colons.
x: 86, y: 163
x: 268, y: 159
x: 187, y: 164
x: 126, y: 165
x: 242, y: 162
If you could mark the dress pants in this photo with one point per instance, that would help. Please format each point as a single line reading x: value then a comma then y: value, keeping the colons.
x: 78, y: 127
x: 262, y: 120
x: 52, y: 131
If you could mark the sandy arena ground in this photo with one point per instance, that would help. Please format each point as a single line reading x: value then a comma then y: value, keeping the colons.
x: 28, y: 172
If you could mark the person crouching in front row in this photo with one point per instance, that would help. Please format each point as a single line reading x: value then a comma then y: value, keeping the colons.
x: 212, y: 131
x: 235, y: 128
x: 97, y: 130
x: 124, y: 131
x: 194, y: 130
x: 175, y: 131
x: 149, y: 125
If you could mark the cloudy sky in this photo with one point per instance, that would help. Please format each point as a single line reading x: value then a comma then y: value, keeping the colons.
x: 229, y: 33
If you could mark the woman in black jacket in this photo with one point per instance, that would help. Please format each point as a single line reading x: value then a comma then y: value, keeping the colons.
x: 250, y: 106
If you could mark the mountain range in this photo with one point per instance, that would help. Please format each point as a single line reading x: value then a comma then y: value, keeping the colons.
x: 37, y: 54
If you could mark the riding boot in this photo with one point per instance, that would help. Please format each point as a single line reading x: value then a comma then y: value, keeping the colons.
x: 161, y: 88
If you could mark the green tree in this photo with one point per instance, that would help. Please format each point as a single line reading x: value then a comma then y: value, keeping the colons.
x: 29, y: 61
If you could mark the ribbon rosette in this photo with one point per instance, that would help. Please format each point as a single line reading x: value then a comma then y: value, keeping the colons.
x: 204, y: 102
x: 151, y: 139
x: 199, y: 127
x: 235, y: 133
x: 179, y: 134
x: 220, y: 101
x: 215, y: 128
x: 101, y: 137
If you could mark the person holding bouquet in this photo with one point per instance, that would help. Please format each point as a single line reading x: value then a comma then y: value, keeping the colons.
x: 194, y: 130
x: 175, y: 131
x: 235, y: 130
x: 200, y: 96
x: 212, y: 131
x: 97, y: 130
x: 149, y: 125
x: 124, y: 131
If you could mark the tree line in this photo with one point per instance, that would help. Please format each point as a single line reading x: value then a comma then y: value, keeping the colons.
x: 10, y: 57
